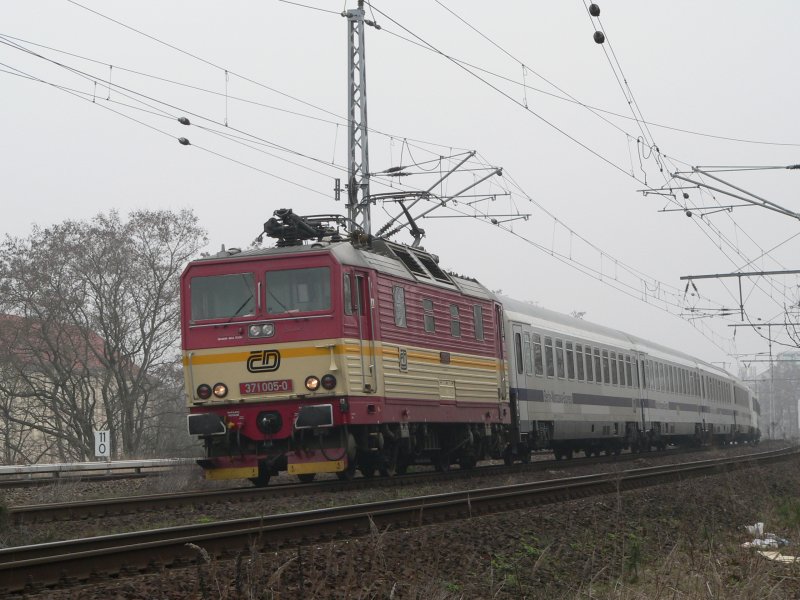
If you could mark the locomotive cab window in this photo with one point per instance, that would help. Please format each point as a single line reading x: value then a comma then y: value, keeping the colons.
x: 223, y: 296
x: 298, y: 290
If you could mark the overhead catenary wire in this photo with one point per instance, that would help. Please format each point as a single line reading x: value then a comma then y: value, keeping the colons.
x: 325, y: 161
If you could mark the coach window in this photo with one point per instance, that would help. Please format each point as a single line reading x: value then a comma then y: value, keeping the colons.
x: 427, y: 316
x: 526, y: 352
x: 455, y: 322
x: 570, y: 361
x: 659, y: 377
x: 589, y: 368
x: 703, y: 386
x: 579, y: 361
x: 548, y: 356
x: 537, y: 354
x: 606, y: 368
x: 518, y: 352
x: 623, y: 379
x: 628, y: 370
x: 399, y: 306
x: 560, y: 358
x: 598, y: 370
x: 613, y: 363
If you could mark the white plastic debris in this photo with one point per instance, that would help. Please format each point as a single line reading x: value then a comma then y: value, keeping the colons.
x: 756, y: 530
x: 777, y: 556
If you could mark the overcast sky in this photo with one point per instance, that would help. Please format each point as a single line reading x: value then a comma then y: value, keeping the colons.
x: 276, y: 74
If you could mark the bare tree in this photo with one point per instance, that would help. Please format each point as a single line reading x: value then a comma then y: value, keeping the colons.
x: 99, y: 303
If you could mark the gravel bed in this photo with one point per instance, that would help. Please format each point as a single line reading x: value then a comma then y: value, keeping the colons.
x: 676, y: 541
x: 184, y: 480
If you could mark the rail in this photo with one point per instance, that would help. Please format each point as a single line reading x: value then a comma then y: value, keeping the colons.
x: 59, y: 564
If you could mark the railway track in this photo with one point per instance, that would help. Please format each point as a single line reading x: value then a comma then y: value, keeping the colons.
x: 61, y: 564
x: 40, y: 513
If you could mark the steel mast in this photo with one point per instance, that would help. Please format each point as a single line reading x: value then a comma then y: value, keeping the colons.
x: 358, y: 197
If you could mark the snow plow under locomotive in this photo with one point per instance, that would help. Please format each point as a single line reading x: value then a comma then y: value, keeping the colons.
x: 331, y: 355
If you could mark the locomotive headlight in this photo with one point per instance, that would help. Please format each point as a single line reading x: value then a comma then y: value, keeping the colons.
x: 312, y: 383
x: 328, y: 381
x: 261, y: 330
x: 204, y: 391
x: 220, y: 390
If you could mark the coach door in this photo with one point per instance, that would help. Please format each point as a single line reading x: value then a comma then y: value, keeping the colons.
x: 642, y: 403
x: 365, y: 306
x: 500, y: 349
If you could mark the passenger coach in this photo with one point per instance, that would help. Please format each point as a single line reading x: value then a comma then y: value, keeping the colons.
x: 584, y: 387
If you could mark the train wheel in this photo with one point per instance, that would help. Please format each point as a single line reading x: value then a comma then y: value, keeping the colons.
x: 349, y: 471
x: 306, y: 477
x: 367, y: 471
x: 442, y: 462
x: 467, y: 462
x: 263, y: 476
x: 587, y: 453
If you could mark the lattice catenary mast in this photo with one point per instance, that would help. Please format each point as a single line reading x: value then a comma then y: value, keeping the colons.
x: 358, y: 197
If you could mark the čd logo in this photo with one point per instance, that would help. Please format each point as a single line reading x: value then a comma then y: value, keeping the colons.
x: 263, y: 361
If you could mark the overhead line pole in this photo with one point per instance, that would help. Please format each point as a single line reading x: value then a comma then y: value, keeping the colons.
x: 739, y: 276
x: 358, y: 198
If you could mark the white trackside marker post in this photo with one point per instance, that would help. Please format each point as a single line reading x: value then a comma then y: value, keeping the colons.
x: 102, y: 444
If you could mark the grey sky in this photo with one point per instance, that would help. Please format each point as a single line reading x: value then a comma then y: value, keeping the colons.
x: 725, y: 69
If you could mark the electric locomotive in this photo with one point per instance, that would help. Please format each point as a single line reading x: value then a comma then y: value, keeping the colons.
x: 328, y: 355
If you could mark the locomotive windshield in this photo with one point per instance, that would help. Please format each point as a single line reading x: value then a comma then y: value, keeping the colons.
x: 298, y: 290
x: 222, y: 296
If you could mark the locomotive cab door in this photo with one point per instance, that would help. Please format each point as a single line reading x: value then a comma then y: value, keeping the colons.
x: 365, y: 310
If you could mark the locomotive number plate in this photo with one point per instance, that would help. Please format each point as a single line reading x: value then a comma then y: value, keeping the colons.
x: 266, y: 387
